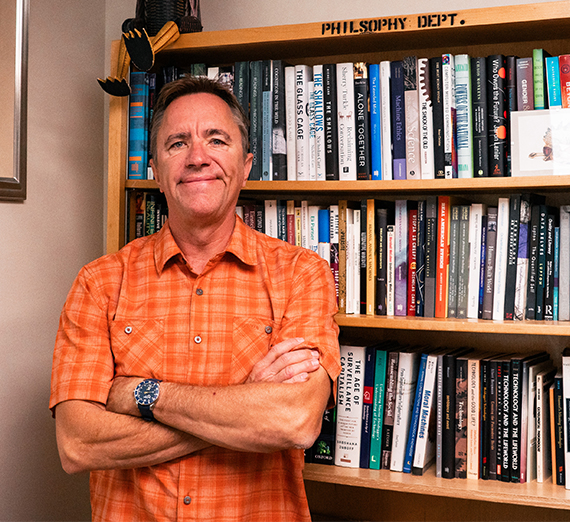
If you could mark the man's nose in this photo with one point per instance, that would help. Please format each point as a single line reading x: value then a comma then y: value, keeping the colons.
x: 197, y: 155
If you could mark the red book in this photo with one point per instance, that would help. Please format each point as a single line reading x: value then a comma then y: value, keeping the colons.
x: 564, y: 61
x: 442, y: 267
x: 412, y: 243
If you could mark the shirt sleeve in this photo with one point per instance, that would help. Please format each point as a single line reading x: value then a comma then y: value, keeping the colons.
x: 311, y: 310
x: 83, y: 366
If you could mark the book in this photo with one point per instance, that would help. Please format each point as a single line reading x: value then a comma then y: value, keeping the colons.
x: 430, y: 256
x: 291, y: 122
x: 420, y: 258
x: 322, y: 451
x: 312, y: 132
x: 543, y: 448
x: 411, y: 110
x: 303, y: 76
x: 566, y: 413
x: 435, y: 65
x: 564, y: 62
x: 398, y: 119
x: 564, y: 264
x: 256, y: 119
x: 378, y: 408
x: 442, y: 263
x: 491, y: 243
x: 375, y: 122
x: 401, y: 258
x: 558, y: 474
x: 501, y: 258
x: 497, y: 107
x: 318, y: 95
x: 349, y: 406
x: 386, y: 120
x: 480, y: 111
x: 384, y: 216
x: 512, y: 256
x: 530, y: 312
x: 464, y: 103
x: 453, y: 262
x: 449, y: 115
x: 460, y: 418
x: 539, y: 79
x: 331, y: 123
x: 267, y: 121
x: 279, y: 124
x: 412, y: 257
x: 334, y: 239
x: 390, y: 270
x: 361, y: 105
x: 541, y: 262
x: 426, y: 120
x: 408, y: 366
x: 525, y: 85
x: 241, y: 84
x: 367, y: 405
x: 389, y: 407
x: 138, y: 126
x: 552, y: 72
x: 463, y: 262
x: 549, y: 290
x: 346, y: 121
x: 475, y: 243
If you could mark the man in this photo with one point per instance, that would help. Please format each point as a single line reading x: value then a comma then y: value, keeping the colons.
x: 224, y: 336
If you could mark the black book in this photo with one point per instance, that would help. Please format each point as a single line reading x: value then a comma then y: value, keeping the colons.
x: 480, y: 111
x: 256, y: 115
x: 420, y: 258
x: 505, y: 408
x: 495, y: 372
x: 322, y: 451
x: 558, y: 435
x: 482, y: 266
x: 279, y: 136
x: 463, y: 261
x: 437, y: 101
x: 491, y: 244
x: 541, y: 263
x: 362, y: 107
x: 384, y: 217
x: 512, y: 256
x: 533, y: 234
x: 331, y: 124
x: 551, y: 223
x: 511, y: 95
x: 362, y: 254
x: 242, y: 85
x: 453, y: 261
x: 497, y: 107
x: 431, y: 256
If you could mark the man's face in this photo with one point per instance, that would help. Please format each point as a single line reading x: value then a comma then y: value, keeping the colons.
x: 200, y: 164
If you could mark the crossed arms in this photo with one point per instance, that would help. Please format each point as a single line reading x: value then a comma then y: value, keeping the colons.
x: 280, y: 406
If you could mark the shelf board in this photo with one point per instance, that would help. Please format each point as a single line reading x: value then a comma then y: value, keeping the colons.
x: 438, y: 186
x: 543, y: 495
x: 550, y: 328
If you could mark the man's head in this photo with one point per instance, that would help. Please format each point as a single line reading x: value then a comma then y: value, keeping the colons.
x: 194, y: 85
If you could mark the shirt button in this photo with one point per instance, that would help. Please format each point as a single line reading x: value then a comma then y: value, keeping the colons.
x: 187, y: 500
x: 197, y: 339
x: 268, y: 329
x: 129, y: 330
x: 199, y: 291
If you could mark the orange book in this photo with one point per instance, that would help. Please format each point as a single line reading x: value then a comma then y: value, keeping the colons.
x: 442, y: 267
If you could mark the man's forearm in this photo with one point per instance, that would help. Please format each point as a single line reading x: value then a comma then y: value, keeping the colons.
x: 90, y: 438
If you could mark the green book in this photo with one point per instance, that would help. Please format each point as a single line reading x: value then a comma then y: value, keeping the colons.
x: 539, y: 76
x: 378, y: 409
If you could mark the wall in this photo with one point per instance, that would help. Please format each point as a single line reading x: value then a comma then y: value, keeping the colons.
x: 43, y: 243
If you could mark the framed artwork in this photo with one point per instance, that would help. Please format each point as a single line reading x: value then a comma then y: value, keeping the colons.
x: 13, y: 102
x: 540, y: 142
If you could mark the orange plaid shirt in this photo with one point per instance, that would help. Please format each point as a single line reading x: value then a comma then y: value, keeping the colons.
x: 143, y: 312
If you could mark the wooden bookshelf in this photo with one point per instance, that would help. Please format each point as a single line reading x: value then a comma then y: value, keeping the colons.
x: 383, y: 495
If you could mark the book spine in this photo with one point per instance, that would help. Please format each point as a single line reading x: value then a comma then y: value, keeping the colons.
x: 401, y: 257
x: 564, y: 61
x: 334, y: 236
x: 512, y: 256
x: 475, y: 237
x: 267, y: 121
x: 497, y: 106
x: 256, y: 115
x: 530, y: 312
x: 421, y: 258
x: 389, y: 409
x: 473, y: 419
x: 361, y: 105
x: 303, y: 75
x: 463, y: 264
x: 448, y: 420
x: 491, y: 243
x: 367, y: 406
x: 320, y: 153
x: 442, y: 267
x: 564, y: 265
x: 426, y: 119
x: 331, y: 124
x: 349, y: 406
x: 506, y: 418
x: 461, y: 418
x: 291, y: 121
x: 378, y: 409
x: 381, y: 236
x: 346, y: 122
x: 525, y: 85
x: 541, y: 263
x: 449, y: 115
x: 411, y: 110
x: 552, y: 66
x: 398, y: 126
x: 386, y: 119
x: 539, y: 78
x: 463, y: 100
x: 390, y: 265
x: 435, y: 65
x: 415, y: 417
x: 342, y: 227
x: 278, y: 138
x: 431, y: 256
x: 138, y: 138
x: 483, y: 265
x: 515, y: 420
x: 549, y: 269
x: 499, y: 284
x: 375, y: 122
x: 241, y: 84
x: 412, y: 259
x: 312, y: 133
x: 480, y: 111
x: 453, y: 262
x: 522, y: 260
x: 370, y: 262
x: 558, y: 469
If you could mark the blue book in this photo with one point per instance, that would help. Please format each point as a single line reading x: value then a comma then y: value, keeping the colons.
x: 556, y: 268
x: 138, y: 133
x: 367, y: 405
x: 398, y: 120
x: 375, y: 122
x: 414, y: 423
x: 552, y: 66
x: 324, y: 226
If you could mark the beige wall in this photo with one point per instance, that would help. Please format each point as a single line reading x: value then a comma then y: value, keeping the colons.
x: 44, y: 241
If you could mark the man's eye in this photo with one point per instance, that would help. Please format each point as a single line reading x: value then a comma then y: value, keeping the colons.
x: 177, y: 145
x: 218, y: 141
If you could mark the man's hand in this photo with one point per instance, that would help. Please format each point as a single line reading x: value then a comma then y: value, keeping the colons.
x: 121, y: 396
x: 285, y: 363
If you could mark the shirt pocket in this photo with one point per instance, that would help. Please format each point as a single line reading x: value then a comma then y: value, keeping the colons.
x: 138, y: 347
x: 252, y: 338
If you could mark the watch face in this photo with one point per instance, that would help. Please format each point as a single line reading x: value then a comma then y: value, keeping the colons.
x: 147, y: 392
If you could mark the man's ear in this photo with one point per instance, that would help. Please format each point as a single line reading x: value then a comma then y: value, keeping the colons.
x: 247, y: 167
x: 155, y: 173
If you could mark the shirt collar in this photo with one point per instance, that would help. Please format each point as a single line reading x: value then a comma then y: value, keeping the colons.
x: 242, y: 245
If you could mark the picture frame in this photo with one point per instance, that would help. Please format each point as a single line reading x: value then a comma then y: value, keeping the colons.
x: 14, y: 16
x: 539, y: 142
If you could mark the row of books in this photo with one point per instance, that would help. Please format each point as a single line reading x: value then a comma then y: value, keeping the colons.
x: 475, y: 414
x: 435, y: 257
x: 415, y: 118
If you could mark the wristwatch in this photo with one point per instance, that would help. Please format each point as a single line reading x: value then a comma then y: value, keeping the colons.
x: 146, y: 395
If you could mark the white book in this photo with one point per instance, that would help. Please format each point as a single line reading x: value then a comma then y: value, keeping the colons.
x: 564, y: 267
x: 349, y: 406
x: 320, y: 164
x: 313, y: 228
x: 333, y: 212
x: 411, y: 109
x: 408, y: 366
x: 501, y: 249
x: 213, y: 72
x: 543, y: 447
x: 425, y: 442
x: 350, y: 254
x: 533, y: 371
x: 303, y: 75
x: 386, y: 132
x: 448, y: 82
x: 463, y: 103
x: 312, y: 134
x: 401, y: 258
x: 566, y: 398
x: 291, y: 123
x: 426, y: 120
x: 305, y: 224
x: 475, y: 224
x: 271, y: 226
x: 522, y: 259
x: 390, y: 270
x: 356, y: 226
x: 346, y: 121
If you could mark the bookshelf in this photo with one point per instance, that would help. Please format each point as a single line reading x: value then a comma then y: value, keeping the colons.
x: 382, y: 495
